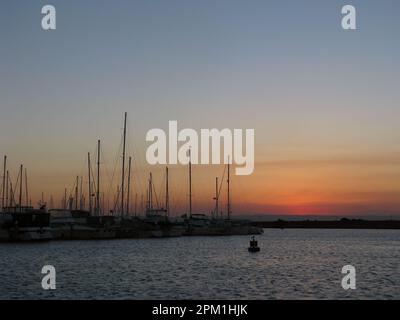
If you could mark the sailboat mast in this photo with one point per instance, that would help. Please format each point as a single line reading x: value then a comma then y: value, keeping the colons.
x: 216, y: 197
x: 123, y: 169
x: 151, y: 192
x: 90, y: 185
x: 7, y: 184
x: 12, y: 195
x: 129, y: 186
x: 190, y: 184
x: 76, y: 192
x: 26, y: 188
x: 166, y: 193
x: 229, y: 197
x: 141, y: 203
x: 98, y: 180
x: 148, y: 198
x: 4, y: 182
x: 65, y: 198
x: 20, y: 186
x: 81, y: 195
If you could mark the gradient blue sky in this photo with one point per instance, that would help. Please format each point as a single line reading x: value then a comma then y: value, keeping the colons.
x: 313, y: 92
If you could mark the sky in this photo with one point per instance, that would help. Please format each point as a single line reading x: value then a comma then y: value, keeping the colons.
x: 323, y: 101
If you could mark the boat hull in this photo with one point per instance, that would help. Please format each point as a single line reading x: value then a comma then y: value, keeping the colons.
x: 29, y: 234
x: 82, y: 233
x: 223, y: 230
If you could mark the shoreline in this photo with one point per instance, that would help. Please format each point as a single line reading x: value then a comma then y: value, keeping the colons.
x: 330, y: 224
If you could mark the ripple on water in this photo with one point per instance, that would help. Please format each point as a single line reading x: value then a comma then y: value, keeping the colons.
x: 292, y: 264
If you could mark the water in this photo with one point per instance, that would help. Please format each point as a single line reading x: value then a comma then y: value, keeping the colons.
x: 292, y: 264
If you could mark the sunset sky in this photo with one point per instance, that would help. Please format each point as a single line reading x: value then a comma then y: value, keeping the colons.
x: 324, y: 102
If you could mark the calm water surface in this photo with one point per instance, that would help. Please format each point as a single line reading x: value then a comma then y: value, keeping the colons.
x: 292, y: 264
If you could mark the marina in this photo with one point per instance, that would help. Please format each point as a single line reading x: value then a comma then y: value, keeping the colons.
x: 20, y: 221
x: 41, y: 225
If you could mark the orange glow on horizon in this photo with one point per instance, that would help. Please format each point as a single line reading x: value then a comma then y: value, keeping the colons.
x: 341, y: 186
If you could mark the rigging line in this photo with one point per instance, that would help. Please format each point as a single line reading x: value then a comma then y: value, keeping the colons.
x: 93, y: 182
x: 179, y: 200
x: 81, y: 175
x: 116, y: 202
x: 222, y: 181
x: 136, y: 182
x: 118, y: 193
x: 15, y: 187
x: 137, y: 173
x: 93, y: 174
x: 12, y: 192
x: 162, y: 186
x: 70, y: 191
x: 117, y: 161
x: 155, y: 195
x: 109, y: 180
x: 116, y: 164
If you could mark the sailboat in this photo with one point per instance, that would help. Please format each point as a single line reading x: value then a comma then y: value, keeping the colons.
x: 159, y: 216
x: 237, y: 226
x: 201, y: 224
x: 198, y: 224
x: 71, y: 223
x: 19, y: 222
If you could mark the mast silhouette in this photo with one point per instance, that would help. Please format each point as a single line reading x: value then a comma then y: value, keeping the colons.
x: 4, y: 182
x: 216, y: 197
x: 229, y: 198
x: 12, y: 195
x: 65, y: 198
x: 20, y: 187
x: 129, y: 186
x: 90, y: 185
x: 190, y: 184
x: 26, y: 188
x: 123, y: 168
x: 151, y: 192
x: 76, y: 192
x: 81, y: 194
x: 7, y: 184
x: 98, y: 180
x: 166, y: 193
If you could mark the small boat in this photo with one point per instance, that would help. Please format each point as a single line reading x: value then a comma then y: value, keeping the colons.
x: 254, y: 245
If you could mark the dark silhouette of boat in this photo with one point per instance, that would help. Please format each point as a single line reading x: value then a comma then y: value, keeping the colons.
x: 25, y: 224
x: 254, y: 245
x: 80, y: 225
